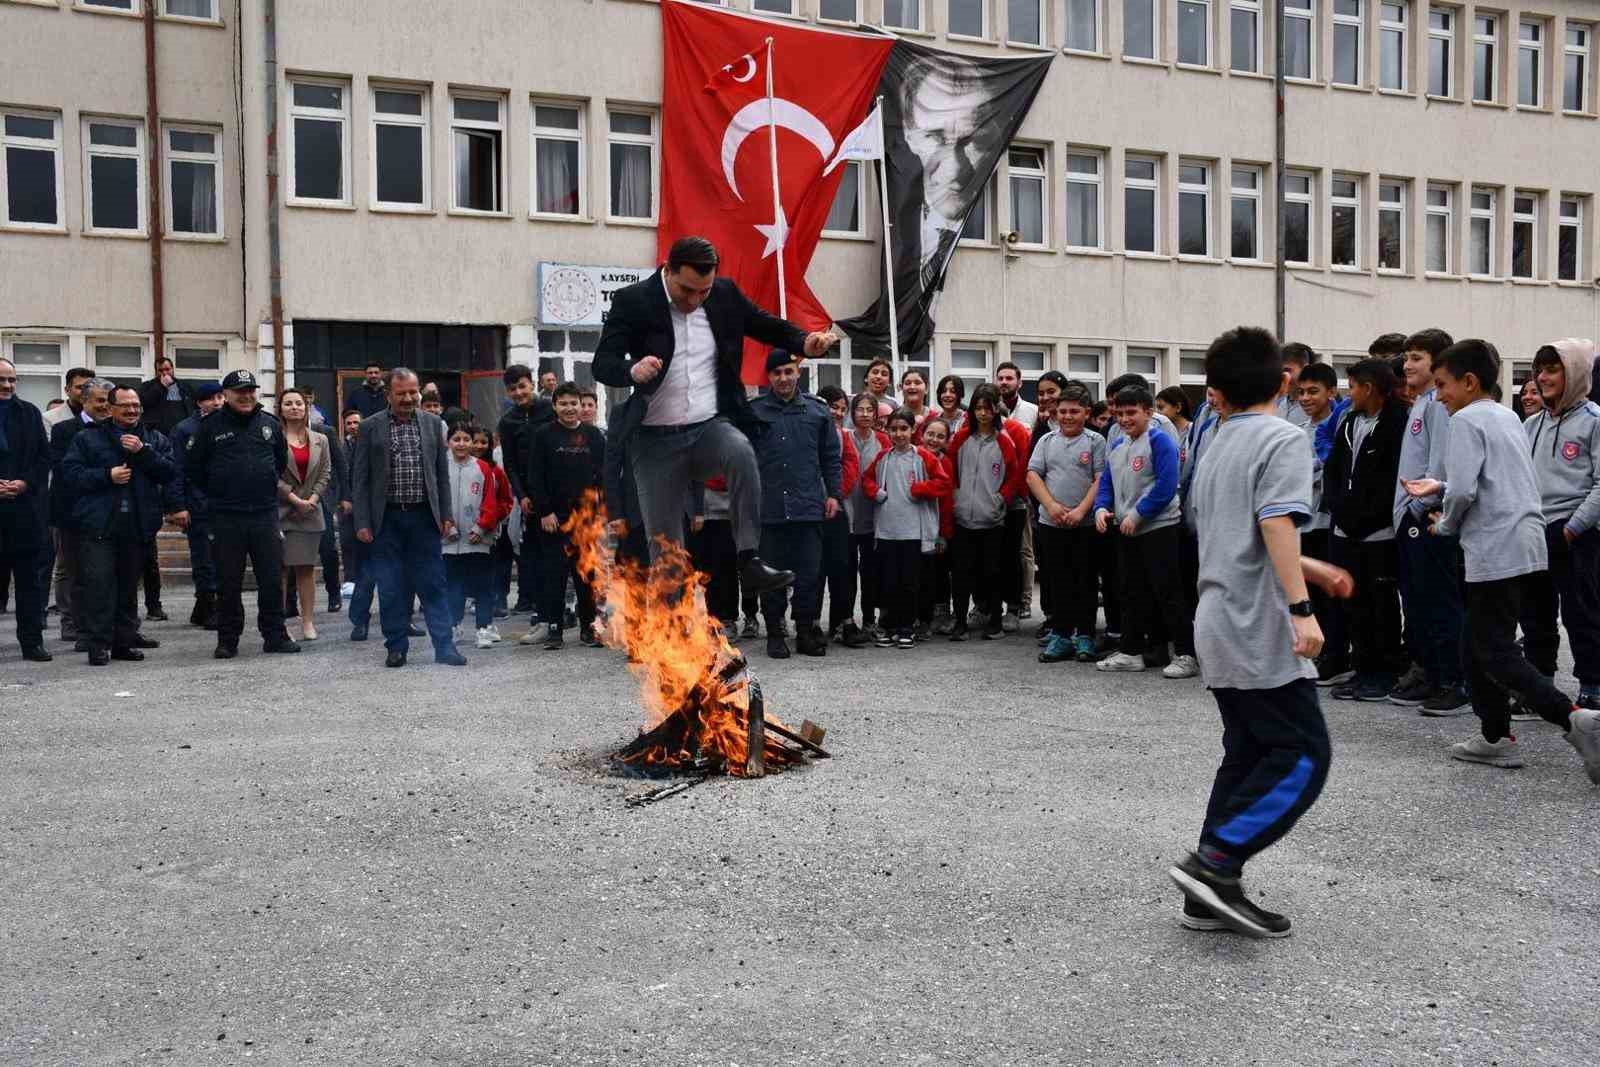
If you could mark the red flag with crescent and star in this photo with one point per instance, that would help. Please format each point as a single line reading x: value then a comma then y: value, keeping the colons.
x: 716, y: 164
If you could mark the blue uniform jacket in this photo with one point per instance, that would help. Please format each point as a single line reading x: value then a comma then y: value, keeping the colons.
x: 799, y: 457
x: 95, y: 499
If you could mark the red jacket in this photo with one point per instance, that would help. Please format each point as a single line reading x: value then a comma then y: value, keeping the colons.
x: 947, y: 503
x: 497, y: 500
x: 938, y: 484
x: 850, y: 461
x: 1015, y: 481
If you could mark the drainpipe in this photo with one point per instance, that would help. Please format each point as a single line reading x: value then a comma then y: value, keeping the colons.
x: 274, y: 257
x: 157, y: 220
x: 1280, y: 275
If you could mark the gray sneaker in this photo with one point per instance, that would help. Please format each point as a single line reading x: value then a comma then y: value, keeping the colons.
x: 1121, y: 662
x: 1008, y: 622
x: 1501, y: 753
x: 1445, y: 702
x: 1584, y: 735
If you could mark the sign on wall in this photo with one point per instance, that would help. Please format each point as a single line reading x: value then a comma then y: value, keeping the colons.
x: 573, y: 294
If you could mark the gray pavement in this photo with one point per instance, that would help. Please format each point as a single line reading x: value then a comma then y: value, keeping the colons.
x: 313, y: 860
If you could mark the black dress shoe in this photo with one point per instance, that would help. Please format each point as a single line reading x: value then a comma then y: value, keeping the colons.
x: 395, y: 659
x: 99, y: 657
x: 756, y: 578
x: 282, y: 646
x: 141, y: 641
x: 335, y: 605
x: 225, y: 652
x: 358, y: 633
x: 777, y: 647
x: 37, y: 654
x: 131, y: 655
x: 810, y: 641
x: 155, y: 614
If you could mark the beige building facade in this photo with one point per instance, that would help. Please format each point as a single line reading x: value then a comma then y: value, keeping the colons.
x: 1442, y: 164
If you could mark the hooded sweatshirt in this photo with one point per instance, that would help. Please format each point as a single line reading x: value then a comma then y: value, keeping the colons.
x: 1565, y: 444
x: 908, y: 486
x: 1492, y: 500
x: 480, y: 499
x: 988, y: 473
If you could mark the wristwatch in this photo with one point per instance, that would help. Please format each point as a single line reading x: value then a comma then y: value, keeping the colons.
x: 1302, y: 608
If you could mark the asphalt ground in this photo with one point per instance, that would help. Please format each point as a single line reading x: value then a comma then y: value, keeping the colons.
x: 311, y: 859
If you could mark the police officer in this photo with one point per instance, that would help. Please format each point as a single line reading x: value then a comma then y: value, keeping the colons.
x: 236, y: 458
x: 193, y: 514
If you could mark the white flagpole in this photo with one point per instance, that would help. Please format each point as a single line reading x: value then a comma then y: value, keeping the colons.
x: 888, y: 255
x: 777, y: 190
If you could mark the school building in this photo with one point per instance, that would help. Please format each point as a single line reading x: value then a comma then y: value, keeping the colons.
x: 458, y: 186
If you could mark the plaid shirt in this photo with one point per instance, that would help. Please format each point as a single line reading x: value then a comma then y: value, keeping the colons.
x: 405, y: 462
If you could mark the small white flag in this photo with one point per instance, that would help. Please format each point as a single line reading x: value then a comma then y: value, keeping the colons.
x: 863, y: 142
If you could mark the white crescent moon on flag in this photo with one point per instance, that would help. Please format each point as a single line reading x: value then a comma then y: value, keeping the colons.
x: 746, y: 58
x: 753, y: 116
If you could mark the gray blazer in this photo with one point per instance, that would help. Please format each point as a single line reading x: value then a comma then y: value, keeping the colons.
x: 319, y: 473
x: 369, y: 469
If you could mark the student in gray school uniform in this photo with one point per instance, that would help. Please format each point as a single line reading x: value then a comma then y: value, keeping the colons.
x: 1256, y: 632
x: 1491, y: 501
x: 1061, y: 475
x: 907, y: 483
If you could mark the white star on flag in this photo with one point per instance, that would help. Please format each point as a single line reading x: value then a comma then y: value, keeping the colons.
x: 776, y: 233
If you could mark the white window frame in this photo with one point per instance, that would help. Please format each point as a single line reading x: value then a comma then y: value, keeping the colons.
x: 1044, y: 25
x: 1477, y: 214
x: 422, y: 122
x: 1096, y: 379
x: 1536, y: 48
x: 1358, y: 21
x: 1532, y: 221
x: 1444, y: 211
x: 95, y: 342
x: 970, y: 375
x: 1353, y: 203
x: 1397, y: 207
x: 320, y: 114
x: 921, y: 9
x: 1252, y: 8
x: 1389, y: 27
x: 502, y: 159
x: 53, y: 146
x: 170, y: 156
x: 1154, y: 186
x: 985, y: 22
x: 1448, y: 35
x: 853, y: 20
x: 1039, y: 175
x: 1253, y: 195
x: 1095, y: 181
x: 1208, y: 42
x: 141, y: 176
x: 55, y: 372
x: 1584, y: 53
x: 1309, y: 199
x: 179, y: 369
x: 104, y: 7
x: 654, y: 141
x: 1308, y: 15
x: 1188, y: 373
x: 984, y: 209
x: 1491, y: 41
x: 1202, y: 190
x: 1573, y: 222
x: 860, y: 169
x: 1157, y: 13
x: 787, y: 12
x: 556, y: 133
x: 1143, y: 352
x: 208, y: 20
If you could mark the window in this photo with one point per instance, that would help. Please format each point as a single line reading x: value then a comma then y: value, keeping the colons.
x: 1480, y: 222
x: 1031, y: 360
x: 558, y: 175
x: 1029, y: 180
x: 976, y: 226
x: 118, y: 359
x: 195, y: 358
x: 38, y: 364
x: 321, y: 165
x: 1440, y: 223
x: 477, y: 140
x: 1083, y: 25
x: 839, y: 11
x: 1347, y: 50
x: 1194, y: 209
x: 1441, y: 50
x: 1246, y: 214
x: 971, y: 361
x: 1575, y: 71
x: 1299, y: 35
x: 1485, y: 58
x: 399, y: 148
x: 189, y: 9
x: 31, y: 177
x: 1141, y: 187
x: 632, y: 146
x: 1194, y: 32
x: 1525, y: 234
x: 1569, y: 240
x: 1344, y: 230
x: 773, y: 7
x: 113, y: 176
x: 1139, y: 28
x: 1392, y: 225
x: 903, y: 14
x: 1297, y: 198
x: 194, y: 163
x: 1083, y: 200
x: 966, y: 18
x: 1086, y: 363
x: 114, y: 5
x: 1025, y: 23
x: 1392, y: 19
x: 845, y: 216
x: 1146, y: 361
x: 1530, y: 63
x: 1244, y: 33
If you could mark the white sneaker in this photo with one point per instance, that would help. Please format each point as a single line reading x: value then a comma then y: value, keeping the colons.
x: 485, y: 638
x: 1585, y: 737
x: 1120, y: 661
x: 1501, y: 753
x: 494, y: 633
x: 347, y: 590
x: 1181, y: 667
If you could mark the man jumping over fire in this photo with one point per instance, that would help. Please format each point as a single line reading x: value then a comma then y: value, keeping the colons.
x: 677, y: 340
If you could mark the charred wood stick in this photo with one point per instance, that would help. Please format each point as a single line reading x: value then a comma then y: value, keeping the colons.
x: 639, y: 800
x: 785, y: 732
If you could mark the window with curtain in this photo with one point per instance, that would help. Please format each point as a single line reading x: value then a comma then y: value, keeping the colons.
x: 193, y: 159
x: 1029, y: 179
x: 1139, y: 28
x: 1299, y: 38
x: 1083, y: 200
x: 632, y: 149
x: 191, y: 9
x: 557, y: 159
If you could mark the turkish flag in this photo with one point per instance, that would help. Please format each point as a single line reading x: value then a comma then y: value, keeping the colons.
x: 716, y: 162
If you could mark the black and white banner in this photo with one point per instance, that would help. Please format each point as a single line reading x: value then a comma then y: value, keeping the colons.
x: 947, y: 119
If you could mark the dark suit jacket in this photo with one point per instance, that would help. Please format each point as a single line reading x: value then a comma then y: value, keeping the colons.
x: 27, y: 456
x: 640, y: 325
x: 369, y: 470
x: 61, y: 435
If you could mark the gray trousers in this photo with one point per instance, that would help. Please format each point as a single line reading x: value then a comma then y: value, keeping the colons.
x: 666, y: 459
x: 67, y: 581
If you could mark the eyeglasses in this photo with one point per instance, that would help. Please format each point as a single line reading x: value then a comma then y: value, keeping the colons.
x: 131, y: 405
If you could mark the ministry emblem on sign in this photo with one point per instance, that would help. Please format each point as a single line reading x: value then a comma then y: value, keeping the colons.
x: 569, y: 296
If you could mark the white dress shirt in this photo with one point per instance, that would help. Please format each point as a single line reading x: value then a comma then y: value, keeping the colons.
x: 688, y: 391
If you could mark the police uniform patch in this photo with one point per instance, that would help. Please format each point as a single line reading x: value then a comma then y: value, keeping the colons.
x: 266, y: 433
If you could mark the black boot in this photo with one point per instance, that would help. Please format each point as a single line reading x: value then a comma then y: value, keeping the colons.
x: 755, y: 577
x: 202, y: 605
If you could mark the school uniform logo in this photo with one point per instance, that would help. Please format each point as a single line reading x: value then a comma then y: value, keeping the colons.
x: 477, y: 487
x: 1183, y: 455
x: 1416, y: 426
x: 1085, y: 458
x: 994, y: 469
x: 1569, y: 451
x: 1138, y: 463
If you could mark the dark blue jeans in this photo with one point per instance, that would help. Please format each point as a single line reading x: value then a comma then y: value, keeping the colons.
x: 409, y: 566
x: 1430, y: 585
x: 794, y: 546
x: 470, y: 574
x: 201, y: 566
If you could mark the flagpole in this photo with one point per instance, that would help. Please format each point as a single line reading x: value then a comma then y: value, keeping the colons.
x: 888, y: 255
x: 777, y: 190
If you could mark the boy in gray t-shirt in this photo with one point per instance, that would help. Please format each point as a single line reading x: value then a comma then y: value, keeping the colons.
x: 1255, y: 633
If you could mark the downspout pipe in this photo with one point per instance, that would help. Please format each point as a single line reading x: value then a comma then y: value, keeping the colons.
x: 157, y: 217
x: 274, y: 251
x: 1280, y: 273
